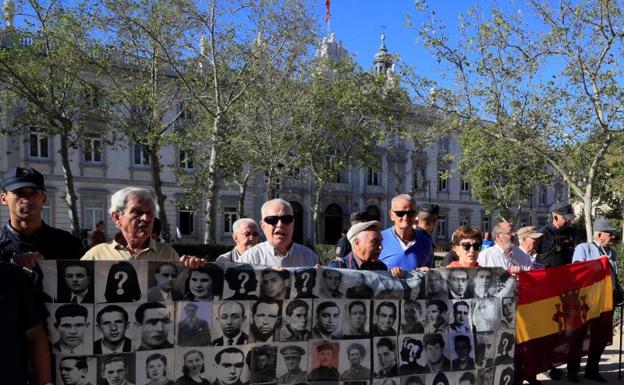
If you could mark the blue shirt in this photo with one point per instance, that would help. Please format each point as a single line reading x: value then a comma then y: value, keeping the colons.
x: 417, y: 255
x: 590, y: 250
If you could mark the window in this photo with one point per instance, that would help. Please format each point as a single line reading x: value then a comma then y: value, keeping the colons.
x: 186, y: 161
x: 442, y: 180
x: 465, y: 186
x: 186, y: 222
x: 294, y: 173
x: 444, y: 145
x: 441, y: 227
x: 140, y: 157
x: 46, y: 214
x: 543, y: 196
x: 464, y: 220
x: 185, y: 112
x: 373, y: 177
x: 230, y: 215
x: 93, y: 213
x: 92, y: 148
x: 485, y: 224
x: 39, y: 145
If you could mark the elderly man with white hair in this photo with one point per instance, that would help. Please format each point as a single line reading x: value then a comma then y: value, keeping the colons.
x: 279, y: 250
x: 500, y: 255
x: 245, y: 236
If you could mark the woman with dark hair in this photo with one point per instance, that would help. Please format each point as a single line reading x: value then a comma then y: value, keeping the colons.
x: 156, y: 370
x: 129, y: 290
x: 204, y: 283
x: 440, y: 379
x: 466, y: 244
x: 192, y: 369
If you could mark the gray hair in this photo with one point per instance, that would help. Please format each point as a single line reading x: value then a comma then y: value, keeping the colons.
x: 276, y: 201
x: 236, y: 226
x: 498, y: 229
x: 120, y: 198
x: 403, y: 197
x: 360, y: 235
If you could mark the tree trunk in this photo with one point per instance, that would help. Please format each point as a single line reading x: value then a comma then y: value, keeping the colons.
x: 316, y: 212
x: 242, y: 193
x: 155, y: 168
x: 70, y: 193
x: 212, y: 186
x: 587, y: 209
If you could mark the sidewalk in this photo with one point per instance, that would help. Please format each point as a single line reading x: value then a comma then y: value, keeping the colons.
x: 608, y: 366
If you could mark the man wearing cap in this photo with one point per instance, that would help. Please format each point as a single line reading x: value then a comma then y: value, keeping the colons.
x: 356, y: 353
x: 403, y: 246
x: 27, y: 238
x: 500, y: 255
x: 343, y: 247
x: 193, y: 331
x: 292, y: 360
x: 365, y: 239
x: 557, y: 245
x: 326, y: 353
x: 598, y: 248
x: 526, y: 251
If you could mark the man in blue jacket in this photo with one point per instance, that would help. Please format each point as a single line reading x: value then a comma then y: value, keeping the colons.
x: 403, y: 246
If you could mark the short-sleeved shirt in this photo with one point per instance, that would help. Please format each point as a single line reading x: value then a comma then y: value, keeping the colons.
x: 265, y: 253
x: 419, y: 253
x: 116, y: 250
x: 50, y: 242
x: 495, y: 257
x: 21, y: 311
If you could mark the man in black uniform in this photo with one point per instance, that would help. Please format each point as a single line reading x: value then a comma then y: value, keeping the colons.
x: 27, y: 238
x: 343, y: 247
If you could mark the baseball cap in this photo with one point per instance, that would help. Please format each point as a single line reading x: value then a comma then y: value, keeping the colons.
x: 565, y: 210
x: 359, y: 227
x: 603, y: 225
x: 528, y: 231
x: 20, y: 177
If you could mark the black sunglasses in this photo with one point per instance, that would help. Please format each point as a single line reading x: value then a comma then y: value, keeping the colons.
x: 401, y: 214
x: 475, y: 246
x: 273, y: 219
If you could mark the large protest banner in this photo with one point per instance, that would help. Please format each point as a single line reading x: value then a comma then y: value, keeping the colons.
x: 560, y: 310
x: 156, y: 323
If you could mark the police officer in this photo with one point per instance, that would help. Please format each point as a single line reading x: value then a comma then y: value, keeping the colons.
x: 292, y: 359
x: 557, y: 246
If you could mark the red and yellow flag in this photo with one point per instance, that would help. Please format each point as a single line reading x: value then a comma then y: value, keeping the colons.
x: 558, y: 309
x: 327, y: 14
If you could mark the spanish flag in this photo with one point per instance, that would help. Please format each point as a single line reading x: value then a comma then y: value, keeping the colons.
x: 559, y: 310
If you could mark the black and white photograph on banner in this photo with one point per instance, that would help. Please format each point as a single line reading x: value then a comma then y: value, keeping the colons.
x: 486, y: 314
x: 436, y: 316
x: 305, y: 283
x: 385, y: 362
x: 436, y: 352
x: 275, y: 283
x: 355, y: 359
x: 438, y: 379
x: 155, y: 368
x: 116, y: 369
x: 124, y: 281
x: 385, y: 318
x: 462, y: 351
x: 466, y: 378
x: 203, y: 284
x: 162, y: 278
x: 504, y: 375
x: 46, y: 280
x: 414, y: 282
x: 328, y: 319
x: 386, y: 286
x: 357, y: 286
x: 459, y: 319
x: 356, y: 321
x: 115, y: 328
x: 262, y: 364
x: 387, y: 381
x: 508, y: 312
x: 413, y: 380
x: 413, y: 319
x: 355, y: 382
x: 411, y: 354
x: 75, y: 282
x: 155, y: 325
x: 230, y: 365
x: 75, y: 370
x: 324, y: 361
x: 492, y: 282
x: 459, y: 283
x: 266, y: 316
x: 484, y: 349
x: 505, y: 345
x: 435, y: 283
x: 193, y: 366
x: 193, y: 323
x: 241, y: 283
x: 296, y: 322
x: 292, y: 362
x: 70, y: 328
x: 485, y: 376
x: 330, y: 284
x: 230, y: 323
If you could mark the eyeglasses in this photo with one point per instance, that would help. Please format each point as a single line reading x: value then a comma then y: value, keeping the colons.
x: 475, y: 246
x: 248, y: 234
x: 273, y: 219
x: 227, y: 365
x: 401, y: 214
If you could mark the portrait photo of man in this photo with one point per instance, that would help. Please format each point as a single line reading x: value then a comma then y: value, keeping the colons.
x: 461, y: 317
x: 275, y: 284
x: 508, y: 308
x: 358, y: 288
x: 265, y: 320
x: 192, y: 329
x: 462, y: 352
x: 411, y: 351
x: 329, y: 285
x: 305, y: 282
x: 385, y: 319
x: 324, y: 362
x: 356, y: 322
x: 74, y: 370
x: 229, y: 363
x: 71, y: 322
x: 75, y: 282
x: 230, y: 320
x: 386, y: 358
x: 437, y: 361
x: 356, y: 354
x: 292, y: 356
x: 296, y: 325
x: 467, y: 378
x: 413, y: 317
x: 486, y: 376
x: 242, y: 283
x: 154, y: 320
x: 482, y: 282
x: 164, y: 279
x: 117, y: 369
x: 112, y: 323
x: 262, y: 364
x: 436, y: 285
x: 484, y: 349
x: 328, y: 320
x: 459, y: 283
x: 436, y: 317
x: 412, y: 380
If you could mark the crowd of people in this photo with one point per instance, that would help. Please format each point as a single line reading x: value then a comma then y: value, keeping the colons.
x: 405, y: 246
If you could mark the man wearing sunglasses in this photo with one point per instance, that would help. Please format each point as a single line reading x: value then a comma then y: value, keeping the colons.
x: 500, y: 254
x: 278, y: 224
x: 245, y: 235
x: 403, y: 246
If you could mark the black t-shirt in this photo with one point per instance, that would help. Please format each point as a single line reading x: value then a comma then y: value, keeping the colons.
x: 556, y: 247
x: 21, y: 311
x: 50, y: 242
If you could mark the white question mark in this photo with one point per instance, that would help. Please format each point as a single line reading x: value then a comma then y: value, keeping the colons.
x: 506, y: 379
x: 505, y: 342
x: 243, y: 277
x: 122, y: 277
x: 306, y: 278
